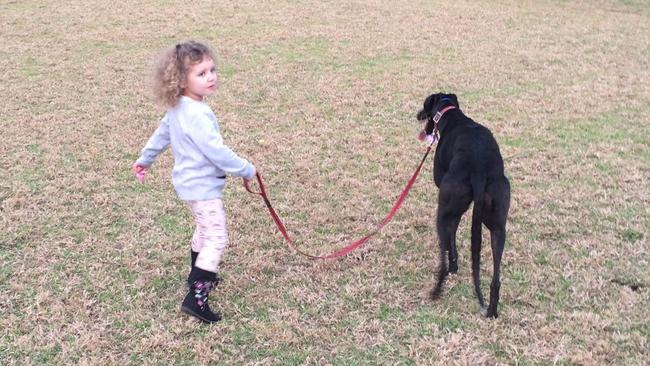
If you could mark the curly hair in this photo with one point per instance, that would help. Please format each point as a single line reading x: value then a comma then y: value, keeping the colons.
x: 171, y: 67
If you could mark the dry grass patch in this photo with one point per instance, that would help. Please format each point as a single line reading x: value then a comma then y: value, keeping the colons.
x: 322, y: 98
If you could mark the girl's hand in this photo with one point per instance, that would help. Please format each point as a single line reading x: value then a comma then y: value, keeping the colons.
x: 140, y: 171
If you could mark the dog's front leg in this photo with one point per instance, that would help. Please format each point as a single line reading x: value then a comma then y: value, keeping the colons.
x: 438, y: 173
x: 453, y: 253
x: 442, y: 273
x: 444, y: 242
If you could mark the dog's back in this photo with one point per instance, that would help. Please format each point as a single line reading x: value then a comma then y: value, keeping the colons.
x: 467, y: 147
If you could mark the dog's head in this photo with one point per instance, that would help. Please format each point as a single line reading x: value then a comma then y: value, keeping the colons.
x: 434, y: 103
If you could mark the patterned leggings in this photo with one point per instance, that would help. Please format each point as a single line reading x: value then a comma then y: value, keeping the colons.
x: 210, y: 236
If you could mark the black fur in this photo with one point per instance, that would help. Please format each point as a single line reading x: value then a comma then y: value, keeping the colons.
x: 467, y: 168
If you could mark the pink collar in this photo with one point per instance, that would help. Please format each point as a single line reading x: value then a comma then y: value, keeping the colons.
x: 439, y: 114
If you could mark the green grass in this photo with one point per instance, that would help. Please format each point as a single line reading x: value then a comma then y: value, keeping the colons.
x: 322, y: 98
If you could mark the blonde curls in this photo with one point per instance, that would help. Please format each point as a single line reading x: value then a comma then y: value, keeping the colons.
x: 171, y: 67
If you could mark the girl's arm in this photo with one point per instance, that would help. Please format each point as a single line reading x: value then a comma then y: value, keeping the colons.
x: 208, y: 139
x: 157, y: 143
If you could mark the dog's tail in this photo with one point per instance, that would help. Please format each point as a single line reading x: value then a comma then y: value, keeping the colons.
x: 479, y: 182
x: 478, y: 192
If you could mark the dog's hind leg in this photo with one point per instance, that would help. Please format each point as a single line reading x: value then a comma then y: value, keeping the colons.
x: 496, y: 223
x: 498, y: 239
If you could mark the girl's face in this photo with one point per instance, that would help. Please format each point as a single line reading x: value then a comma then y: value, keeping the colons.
x: 201, y: 80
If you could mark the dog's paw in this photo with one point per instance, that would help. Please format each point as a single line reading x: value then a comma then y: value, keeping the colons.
x: 489, y: 312
x: 435, y: 294
x: 453, y: 267
x: 483, y: 310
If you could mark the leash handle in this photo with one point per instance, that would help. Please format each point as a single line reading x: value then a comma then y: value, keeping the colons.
x: 347, y: 249
x: 259, y: 182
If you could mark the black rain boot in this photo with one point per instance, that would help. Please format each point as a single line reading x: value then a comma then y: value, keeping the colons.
x: 194, y: 256
x: 196, y: 300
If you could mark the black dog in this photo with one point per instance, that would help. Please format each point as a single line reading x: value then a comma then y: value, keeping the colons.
x: 467, y: 167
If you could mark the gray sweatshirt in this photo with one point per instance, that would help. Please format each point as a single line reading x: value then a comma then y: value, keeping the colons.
x: 201, y: 159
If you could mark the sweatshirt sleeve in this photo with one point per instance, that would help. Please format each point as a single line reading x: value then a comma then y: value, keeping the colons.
x: 208, y: 139
x: 157, y: 143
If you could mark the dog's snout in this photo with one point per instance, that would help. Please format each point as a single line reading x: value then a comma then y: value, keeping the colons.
x: 422, y: 115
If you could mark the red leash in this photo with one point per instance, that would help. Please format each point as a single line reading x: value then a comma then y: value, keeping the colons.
x: 356, y: 244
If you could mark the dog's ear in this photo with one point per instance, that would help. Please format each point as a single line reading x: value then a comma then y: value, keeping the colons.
x: 427, y: 102
x: 432, y: 101
x: 427, y: 107
x: 454, y: 100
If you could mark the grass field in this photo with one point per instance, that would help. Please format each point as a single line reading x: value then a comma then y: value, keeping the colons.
x: 321, y: 96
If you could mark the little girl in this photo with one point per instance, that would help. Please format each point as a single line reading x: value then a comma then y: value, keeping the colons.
x: 183, y: 76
